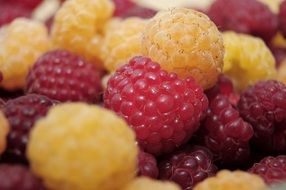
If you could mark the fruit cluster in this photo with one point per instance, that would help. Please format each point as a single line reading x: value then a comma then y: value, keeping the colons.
x: 112, y: 95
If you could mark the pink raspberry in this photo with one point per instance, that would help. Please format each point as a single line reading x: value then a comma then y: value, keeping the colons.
x: 188, y: 166
x: 264, y: 107
x: 245, y: 16
x: 225, y: 133
x: 16, y: 177
x: 282, y: 18
x: 22, y: 113
x: 163, y: 110
x: 9, y: 12
x: 271, y: 169
x: 64, y: 76
x: 147, y: 165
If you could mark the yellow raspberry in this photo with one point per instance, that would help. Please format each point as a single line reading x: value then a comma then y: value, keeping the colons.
x: 237, y: 180
x: 186, y: 42
x: 4, y: 129
x: 272, y: 4
x: 82, y: 147
x: 77, y: 25
x: 144, y: 183
x: 122, y: 41
x: 247, y: 60
x: 21, y: 44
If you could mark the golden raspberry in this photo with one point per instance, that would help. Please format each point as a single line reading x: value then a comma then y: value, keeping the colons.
x: 237, y: 180
x: 186, y: 42
x: 144, y: 183
x: 4, y: 129
x: 77, y: 25
x: 272, y: 4
x: 21, y: 44
x: 247, y: 60
x: 79, y: 146
x: 122, y: 41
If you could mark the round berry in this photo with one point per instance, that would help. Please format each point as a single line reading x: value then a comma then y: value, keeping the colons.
x: 4, y: 129
x: 271, y: 169
x: 64, y: 76
x: 282, y: 18
x: 186, y: 42
x: 147, y: 165
x: 16, y: 177
x: 80, y: 146
x: 244, y: 16
x: 264, y: 107
x: 163, y: 110
x: 188, y: 167
x: 22, y: 113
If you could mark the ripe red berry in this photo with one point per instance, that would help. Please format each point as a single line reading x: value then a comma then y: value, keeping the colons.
x: 163, y: 110
x: 22, y: 113
x: 147, y: 165
x: 264, y: 107
x: 188, y: 166
x: 282, y: 18
x: 9, y: 12
x: 225, y: 133
x: 271, y: 169
x: 16, y: 177
x: 245, y: 16
x: 63, y: 76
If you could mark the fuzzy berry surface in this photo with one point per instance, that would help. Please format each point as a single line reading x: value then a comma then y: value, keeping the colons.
x: 17, y: 177
x: 264, y: 107
x: 163, y: 110
x: 64, y: 76
x: 9, y: 12
x: 271, y: 169
x: 188, y: 166
x: 244, y: 16
x: 282, y: 18
x: 22, y: 113
x: 147, y: 165
x: 225, y: 133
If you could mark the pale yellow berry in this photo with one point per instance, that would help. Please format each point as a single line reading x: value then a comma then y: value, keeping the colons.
x: 21, y: 43
x: 186, y: 42
x: 82, y: 147
x: 4, y: 129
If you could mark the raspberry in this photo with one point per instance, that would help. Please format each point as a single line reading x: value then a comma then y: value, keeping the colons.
x: 18, y: 177
x: 263, y: 106
x: 170, y: 37
x: 188, y: 167
x: 82, y: 140
x: 244, y: 16
x: 282, y: 18
x: 21, y: 43
x: 122, y: 41
x: 236, y: 180
x: 30, y: 4
x: 272, y: 4
x: 22, y: 113
x: 143, y: 183
x: 76, y: 25
x: 226, y: 134
x: 248, y: 55
x: 63, y: 76
x: 9, y: 12
x: 4, y: 129
x: 163, y: 110
x: 147, y: 165
x: 271, y: 169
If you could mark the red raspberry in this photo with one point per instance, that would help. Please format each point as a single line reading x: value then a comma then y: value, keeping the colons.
x: 163, y: 110
x: 30, y: 4
x: 126, y: 8
x: 22, y: 113
x: 245, y: 16
x: 64, y: 76
x: 264, y: 107
x: 9, y: 12
x: 282, y: 18
x: 271, y: 169
x: 16, y: 177
x: 225, y: 133
x: 147, y: 165
x: 187, y: 167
